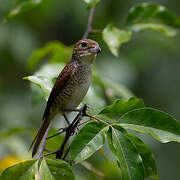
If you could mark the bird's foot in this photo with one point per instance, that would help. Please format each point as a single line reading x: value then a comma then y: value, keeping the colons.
x: 82, y: 112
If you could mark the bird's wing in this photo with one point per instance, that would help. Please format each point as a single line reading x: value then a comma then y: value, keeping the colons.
x: 59, y: 85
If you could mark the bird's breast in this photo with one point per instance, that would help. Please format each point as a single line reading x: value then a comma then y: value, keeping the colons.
x: 79, y: 83
x: 75, y: 90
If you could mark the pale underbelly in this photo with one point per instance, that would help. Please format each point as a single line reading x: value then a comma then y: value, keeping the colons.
x: 70, y: 100
x: 77, y: 96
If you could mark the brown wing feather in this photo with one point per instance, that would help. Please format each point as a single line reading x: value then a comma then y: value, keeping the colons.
x: 59, y: 85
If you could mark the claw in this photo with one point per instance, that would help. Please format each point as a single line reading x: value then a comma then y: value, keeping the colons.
x: 88, y: 107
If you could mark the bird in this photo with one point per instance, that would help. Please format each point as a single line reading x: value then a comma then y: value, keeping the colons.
x: 70, y: 87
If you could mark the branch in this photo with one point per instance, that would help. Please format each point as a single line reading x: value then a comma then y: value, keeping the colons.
x: 89, y: 25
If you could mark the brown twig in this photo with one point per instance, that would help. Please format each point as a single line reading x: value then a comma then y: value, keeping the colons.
x: 97, y: 119
x: 89, y: 25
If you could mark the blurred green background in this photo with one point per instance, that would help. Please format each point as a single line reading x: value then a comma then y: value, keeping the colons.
x: 149, y: 64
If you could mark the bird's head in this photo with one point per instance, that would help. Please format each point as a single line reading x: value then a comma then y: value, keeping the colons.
x: 86, y: 50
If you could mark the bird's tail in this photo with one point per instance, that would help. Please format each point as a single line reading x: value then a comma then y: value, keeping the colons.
x: 38, y: 138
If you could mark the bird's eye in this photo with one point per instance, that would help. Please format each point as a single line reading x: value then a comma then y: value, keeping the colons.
x: 83, y: 44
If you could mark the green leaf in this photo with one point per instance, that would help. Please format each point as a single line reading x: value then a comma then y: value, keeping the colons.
x: 56, y: 52
x: 158, y: 124
x: 50, y: 71
x: 128, y: 158
x: 55, y: 170
x: 22, y: 6
x: 44, y: 78
x: 89, y: 139
x: 121, y: 106
x: 115, y: 37
x: 21, y: 171
x: 44, y: 83
x: 146, y: 155
x: 153, y: 17
x: 91, y: 3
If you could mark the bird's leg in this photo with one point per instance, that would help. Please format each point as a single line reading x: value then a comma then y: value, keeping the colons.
x: 61, y: 130
x: 81, y: 110
x: 86, y: 115
x: 70, y: 131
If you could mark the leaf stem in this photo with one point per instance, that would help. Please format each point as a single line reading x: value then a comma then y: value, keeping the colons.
x: 94, y: 117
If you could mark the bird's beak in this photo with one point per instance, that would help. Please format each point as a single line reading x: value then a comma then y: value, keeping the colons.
x: 96, y: 50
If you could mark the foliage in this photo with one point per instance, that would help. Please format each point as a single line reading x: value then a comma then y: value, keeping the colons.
x: 21, y: 6
x: 109, y: 123
x: 153, y: 17
x: 56, y: 50
x: 115, y: 37
x: 120, y: 106
x: 91, y: 141
x: 47, y: 169
x: 146, y: 16
x: 129, y: 150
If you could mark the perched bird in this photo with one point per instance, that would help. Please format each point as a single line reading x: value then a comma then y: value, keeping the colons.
x: 71, y: 85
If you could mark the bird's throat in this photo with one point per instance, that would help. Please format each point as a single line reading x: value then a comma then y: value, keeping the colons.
x: 88, y: 59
